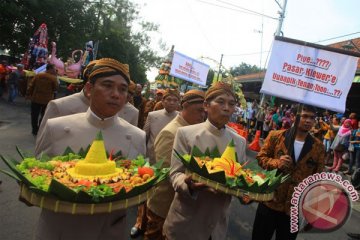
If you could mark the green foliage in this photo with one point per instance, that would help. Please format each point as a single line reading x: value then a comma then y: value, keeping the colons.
x: 210, y: 77
x: 187, y: 157
x: 28, y: 163
x: 71, y: 23
x: 139, y: 161
x: 39, y: 181
x: 66, y: 158
x: 99, y: 192
x: 243, y: 69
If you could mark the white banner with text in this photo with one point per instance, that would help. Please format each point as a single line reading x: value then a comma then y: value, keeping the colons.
x: 309, y: 75
x: 189, y: 69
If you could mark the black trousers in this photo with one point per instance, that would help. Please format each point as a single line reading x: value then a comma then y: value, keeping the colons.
x: 267, y: 221
x: 37, y: 113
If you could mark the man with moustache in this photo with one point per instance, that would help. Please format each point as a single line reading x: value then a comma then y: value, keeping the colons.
x: 199, y: 212
x: 158, y: 205
x: 107, y: 89
x: 307, y: 158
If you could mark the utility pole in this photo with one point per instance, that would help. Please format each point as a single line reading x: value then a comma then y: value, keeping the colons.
x: 281, y: 18
x: 278, y: 31
x: 220, y: 67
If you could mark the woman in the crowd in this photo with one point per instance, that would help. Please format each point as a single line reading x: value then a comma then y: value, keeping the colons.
x: 341, y: 144
x: 275, y: 120
x: 331, y: 130
x: 354, y: 150
x: 267, y: 122
x: 354, y: 121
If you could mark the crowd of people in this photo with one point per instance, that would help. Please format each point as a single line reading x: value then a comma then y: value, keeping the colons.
x: 12, y: 80
x: 338, y: 132
x: 181, y: 208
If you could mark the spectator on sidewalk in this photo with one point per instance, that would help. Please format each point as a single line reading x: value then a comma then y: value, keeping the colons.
x: 331, y: 130
x: 354, y: 150
x: 13, y: 82
x: 3, y: 76
x: 354, y: 121
x: 260, y: 118
x: 340, y: 145
x: 267, y: 122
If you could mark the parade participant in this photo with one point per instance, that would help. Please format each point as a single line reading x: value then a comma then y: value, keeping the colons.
x: 88, y: 54
x: 139, y: 103
x: 107, y: 88
x: 41, y: 91
x: 159, y: 204
x: 155, y: 122
x: 151, y: 104
x: 199, y: 212
x: 75, y: 103
x: 129, y: 112
x: 306, y: 159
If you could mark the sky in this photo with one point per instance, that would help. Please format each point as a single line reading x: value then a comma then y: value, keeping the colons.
x: 206, y: 29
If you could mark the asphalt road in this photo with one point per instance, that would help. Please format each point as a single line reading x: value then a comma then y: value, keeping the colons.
x: 18, y: 222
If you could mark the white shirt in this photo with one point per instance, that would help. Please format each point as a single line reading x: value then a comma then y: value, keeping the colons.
x: 298, y: 145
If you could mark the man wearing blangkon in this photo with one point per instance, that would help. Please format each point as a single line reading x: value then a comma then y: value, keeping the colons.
x: 107, y: 87
x: 198, y: 212
x: 307, y: 158
x: 158, y: 205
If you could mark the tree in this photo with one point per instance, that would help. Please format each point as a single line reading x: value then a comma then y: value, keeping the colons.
x: 210, y: 77
x: 243, y: 69
x: 71, y: 23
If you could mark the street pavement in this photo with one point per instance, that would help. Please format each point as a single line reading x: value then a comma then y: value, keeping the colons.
x: 18, y: 221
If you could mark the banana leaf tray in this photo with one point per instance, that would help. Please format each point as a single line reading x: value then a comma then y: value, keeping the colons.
x: 52, y: 203
x: 237, y: 186
x: 234, y: 192
x: 60, y: 198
